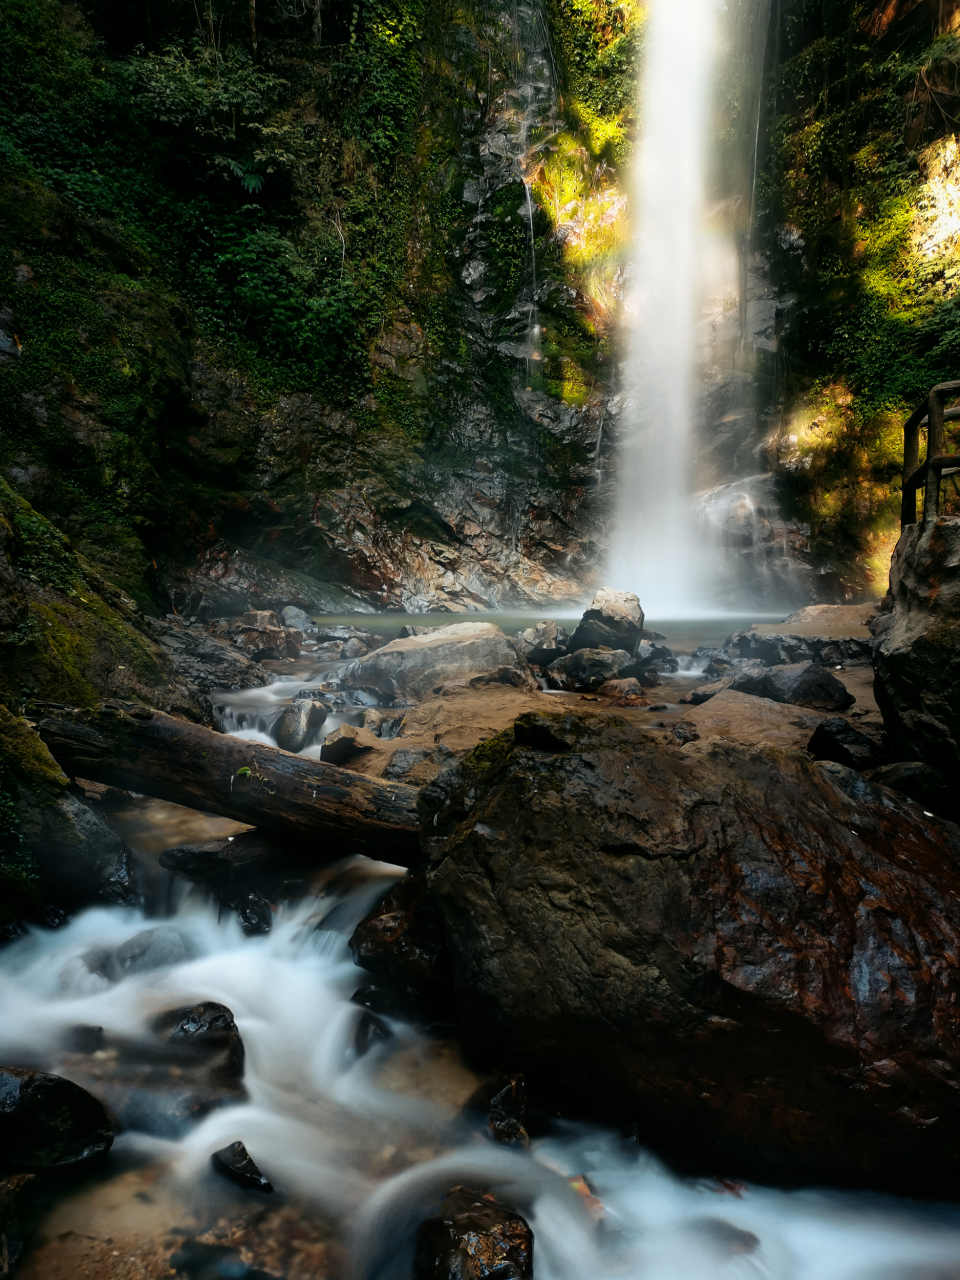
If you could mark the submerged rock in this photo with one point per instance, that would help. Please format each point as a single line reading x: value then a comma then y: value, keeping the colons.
x: 474, y: 1237
x: 753, y: 955
x: 475, y: 652
x: 298, y: 725
x: 157, y: 948
x: 507, y: 1117
x: 47, y: 1122
x: 236, y: 1163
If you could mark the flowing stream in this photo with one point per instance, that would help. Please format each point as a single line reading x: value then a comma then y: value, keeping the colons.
x: 374, y: 1141
x: 362, y: 1136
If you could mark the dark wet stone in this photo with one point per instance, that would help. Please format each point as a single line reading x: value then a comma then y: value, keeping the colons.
x: 235, y: 1162
x: 205, y: 1030
x: 402, y: 944
x: 254, y: 910
x: 507, y: 1118
x: 17, y: 1195
x: 587, y: 669
x: 837, y: 739
x: 920, y: 782
x: 474, y: 1237
x: 370, y: 1032
x: 47, y: 1122
x: 748, y: 952
x: 802, y: 684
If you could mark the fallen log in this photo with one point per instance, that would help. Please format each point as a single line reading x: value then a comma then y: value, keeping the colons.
x: 127, y: 745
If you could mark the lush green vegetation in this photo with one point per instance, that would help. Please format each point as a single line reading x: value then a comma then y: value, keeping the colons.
x: 270, y: 192
x: 859, y: 194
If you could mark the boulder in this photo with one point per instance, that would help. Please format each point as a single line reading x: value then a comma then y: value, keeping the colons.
x: 475, y: 652
x: 58, y: 854
x: 614, y: 620
x: 298, y: 725
x: 543, y: 643
x: 753, y: 956
x: 347, y: 742
x: 260, y: 620
x: 299, y: 619
x: 752, y: 721
x: 802, y: 684
x: 587, y: 669
x: 919, y: 782
x: 474, y: 1236
x: 206, y: 661
x: 204, y: 1032
x: 807, y: 684
x: 47, y: 1122
x: 270, y: 643
x: 917, y: 654
x: 707, y: 691
x: 629, y: 688
x: 837, y: 739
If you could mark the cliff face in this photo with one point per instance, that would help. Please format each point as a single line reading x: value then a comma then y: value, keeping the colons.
x: 298, y: 305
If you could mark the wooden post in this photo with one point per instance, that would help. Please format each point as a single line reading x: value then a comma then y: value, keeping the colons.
x: 931, y: 494
x: 911, y: 460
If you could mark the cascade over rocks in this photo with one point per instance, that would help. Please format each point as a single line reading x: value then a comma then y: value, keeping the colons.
x: 753, y: 956
x: 473, y: 652
x: 917, y: 648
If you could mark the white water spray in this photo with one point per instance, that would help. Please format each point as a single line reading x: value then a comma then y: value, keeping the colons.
x: 654, y: 552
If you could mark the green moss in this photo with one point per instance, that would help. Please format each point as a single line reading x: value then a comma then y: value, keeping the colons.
x: 487, y: 758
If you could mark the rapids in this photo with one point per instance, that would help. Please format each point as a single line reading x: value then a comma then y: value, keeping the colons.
x: 375, y: 1141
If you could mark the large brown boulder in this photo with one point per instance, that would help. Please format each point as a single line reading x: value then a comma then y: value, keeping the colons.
x: 917, y: 648
x: 474, y: 653
x: 752, y: 955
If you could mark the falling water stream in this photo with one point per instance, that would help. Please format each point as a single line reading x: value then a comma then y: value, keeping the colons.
x: 654, y: 550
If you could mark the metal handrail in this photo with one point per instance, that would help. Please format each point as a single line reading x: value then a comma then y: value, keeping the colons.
x: 927, y: 474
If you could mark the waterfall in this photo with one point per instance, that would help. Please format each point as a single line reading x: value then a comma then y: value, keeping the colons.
x: 653, y: 552
x: 697, y: 529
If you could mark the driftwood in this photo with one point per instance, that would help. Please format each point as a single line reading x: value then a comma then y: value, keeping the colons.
x: 334, y: 810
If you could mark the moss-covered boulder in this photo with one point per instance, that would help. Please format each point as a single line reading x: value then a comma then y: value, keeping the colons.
x: 56, y: 854
x: 67, y: 634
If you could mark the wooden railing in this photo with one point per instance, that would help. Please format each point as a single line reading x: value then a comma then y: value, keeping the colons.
x: 927, y: 475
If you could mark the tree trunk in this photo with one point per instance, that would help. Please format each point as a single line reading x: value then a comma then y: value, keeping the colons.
x: 127, y: 745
